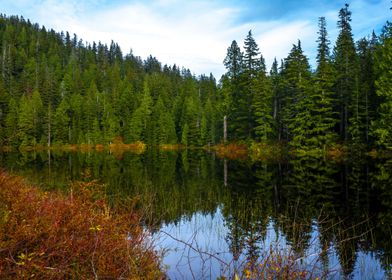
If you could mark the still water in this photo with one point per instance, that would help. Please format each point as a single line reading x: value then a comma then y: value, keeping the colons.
x: 212, y: 217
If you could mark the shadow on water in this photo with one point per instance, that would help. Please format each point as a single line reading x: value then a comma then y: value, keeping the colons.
x: 213, y: 216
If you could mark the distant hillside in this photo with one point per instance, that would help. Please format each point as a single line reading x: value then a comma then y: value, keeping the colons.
x: 55, y: 89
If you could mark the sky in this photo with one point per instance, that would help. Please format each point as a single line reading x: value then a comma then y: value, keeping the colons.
x: 196, y: 34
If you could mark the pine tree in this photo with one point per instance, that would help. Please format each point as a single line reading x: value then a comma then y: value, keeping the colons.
x: 91, y: 114
x: 162, y: 125
x: 253, y: 66
x: 369, y: 101
x: 210, y: 116
x: 61, y: 123
x: 276, y: 83
x: 233, y: 61
x: 346, y: 84
x: 140, y: 117
x: 262, y: 104
x: 235, y: 107
x: 323, y: 100
x: 110, y: 123
x: 191, y: 118
x: 297, y: 116
x: 11, y: 123
x: 3, y: 112
x: 382, y: 127
x: 251, y: 55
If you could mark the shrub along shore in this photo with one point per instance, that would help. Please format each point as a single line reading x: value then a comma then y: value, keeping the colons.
x: 70, y: 236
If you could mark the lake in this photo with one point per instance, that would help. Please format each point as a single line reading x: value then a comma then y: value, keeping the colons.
x: 213, y: 217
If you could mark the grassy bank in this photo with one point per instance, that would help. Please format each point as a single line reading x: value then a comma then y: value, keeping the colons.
x: 56, y: 236
x: 280, y: 151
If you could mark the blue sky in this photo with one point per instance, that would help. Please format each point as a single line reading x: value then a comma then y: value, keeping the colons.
x: 196, y: 34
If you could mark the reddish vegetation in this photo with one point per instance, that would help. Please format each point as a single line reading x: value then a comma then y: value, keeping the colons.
x: 53, y: 236
x: 119, y: 147
x: 337, y: 153
x: 231, y: 151
x: 99, y: 148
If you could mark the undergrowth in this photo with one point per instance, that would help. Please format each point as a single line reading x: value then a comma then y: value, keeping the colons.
x: 75, y: 236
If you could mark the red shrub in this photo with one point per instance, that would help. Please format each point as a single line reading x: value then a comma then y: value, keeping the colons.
x: 49, y: 235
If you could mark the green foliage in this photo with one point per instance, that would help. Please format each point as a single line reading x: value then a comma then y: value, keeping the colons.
x: 323, y: 98
x: 297, y: 98
x: 262, y: 107
x: 61, y: 123
x: 54, y: 87
x: 30, y: 119
x: 93, y: 94
x: 346, y: 84
x: 382, y: 127
x: 140, y: 118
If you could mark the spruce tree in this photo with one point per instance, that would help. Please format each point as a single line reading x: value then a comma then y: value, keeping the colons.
x: 236, y: 102
x: 61, y: 123
x: 11, y: 123
x: 141, y: 117
x: 262, y: 105
x: 276, y: 83
x: 297, y: 101
x: 233, y: 61
x: 369, y: 101
x: 382, y: 127
x: 251, y: 55
x: 323, y: 98
x: 346, y: 83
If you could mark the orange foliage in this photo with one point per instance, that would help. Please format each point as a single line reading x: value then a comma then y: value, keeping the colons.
x: 119, y: 147
x: 86, y: 147
x: 49, y: 235
x: 337, y: 153
x: 231, y: 151
x: 99, y: 147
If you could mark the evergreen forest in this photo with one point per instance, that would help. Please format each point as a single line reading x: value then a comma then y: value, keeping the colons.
x: 56, y: 89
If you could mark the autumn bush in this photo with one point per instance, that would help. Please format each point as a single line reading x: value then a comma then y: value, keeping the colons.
x: 74, y: 236
x: 231, y: 150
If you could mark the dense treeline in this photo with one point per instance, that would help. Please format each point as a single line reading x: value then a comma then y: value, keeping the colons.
x: 57, y: 89
x: 347, y: 99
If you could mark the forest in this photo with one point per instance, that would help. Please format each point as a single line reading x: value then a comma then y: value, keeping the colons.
x: 56, y: 89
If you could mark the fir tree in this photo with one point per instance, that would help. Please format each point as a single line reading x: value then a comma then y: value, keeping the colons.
x: 346, y: 84
x: 297, y: 116
x: 262, y: 105
x: 140, y: 117
x: 382, y: 127
x: 323, y: 100
x: 233, y: 61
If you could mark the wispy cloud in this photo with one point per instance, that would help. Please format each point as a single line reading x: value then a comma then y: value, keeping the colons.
x: 196, y: 34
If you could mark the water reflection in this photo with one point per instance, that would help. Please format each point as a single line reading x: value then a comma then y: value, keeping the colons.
x: 215, y: 215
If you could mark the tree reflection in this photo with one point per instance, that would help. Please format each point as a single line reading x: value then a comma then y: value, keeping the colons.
x: 349, y: 204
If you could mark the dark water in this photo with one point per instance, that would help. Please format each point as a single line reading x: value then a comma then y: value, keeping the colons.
x: 212, y: 215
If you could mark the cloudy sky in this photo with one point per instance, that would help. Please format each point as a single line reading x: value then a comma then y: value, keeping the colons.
x: 196, y: 34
